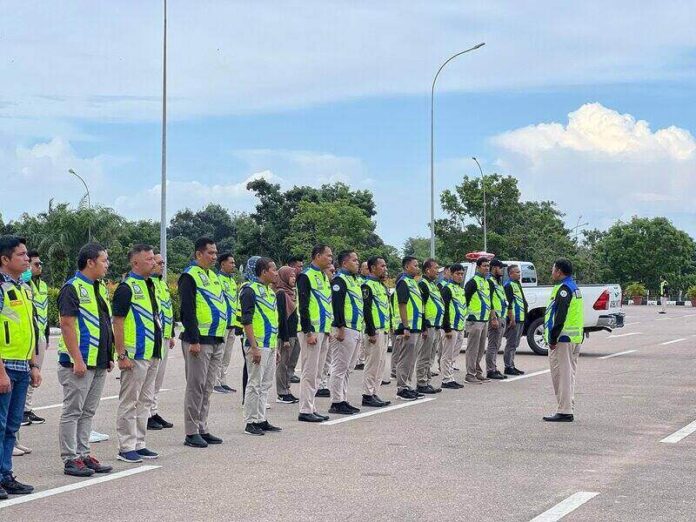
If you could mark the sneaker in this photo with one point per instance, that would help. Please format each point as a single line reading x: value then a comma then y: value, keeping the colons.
x: 427, y: 389
x: 165, y: 424
x: 285, y: 399
x: 211, y: 439
x: 407, y: 395
x: 481, y: 378
x: 295, y: 379
x: 496, y: 375
x: 147, y: 454
x: 3, y: 494
x: 93, y: 464
x: 195, y: 441
x: 294, y: 399
x: 267, y: 426
x: 16, y: 452
x: 152, y: 424
x: 26, y: 421
x: 323, y: 392
x: 309, y: 417
x: 95, y: 436
x: 34, y: 418
x: 228, y: 389
x: 512, y: 371
x: 132, y: 457
x: 452, y: 385
x: 386, y: 403
x: 219, y: 389
x: 471, y: 380
x: 253, y: 429
x: 341, y: 408
x: 372, y: 401
x: 77, y: 468
x: 519, y: 372
x: 22, y: 448
x: 12, y: 486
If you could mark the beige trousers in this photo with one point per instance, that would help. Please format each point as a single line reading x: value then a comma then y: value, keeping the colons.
x: 201, y: 372
x: 475, y: 347
x: 375, y: 359
x: 260, y: 381
x: 161, y: 370
x: 564, y: 365
x: 41, y: 347
x: 450, y: 350
x: 312, y: 359
x: 226, y: 357
x: 425, y: 354
x: 344, y: 356
x: 135, y: 401
x: 406, y: 359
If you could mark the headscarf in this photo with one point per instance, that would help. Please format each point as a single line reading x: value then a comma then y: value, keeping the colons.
x: 250, y: 270
x: 283, y: 283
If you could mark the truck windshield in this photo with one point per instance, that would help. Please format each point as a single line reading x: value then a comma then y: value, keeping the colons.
x: 529, y: 274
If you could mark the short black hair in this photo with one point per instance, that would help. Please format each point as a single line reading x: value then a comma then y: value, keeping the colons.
x: 137, y: 248
x: 318, y: 250
x: 456, y: 267
x: 372, y: 261
x: 482, y: 260
x: 343, y: 255
x: 90, y: 251
x: 406, y: 260
x: 295, y: 259
x: 202, y: 243
x: 224, y: 257
x: 33, y: 253
x: 8, y: 245
x: 428, y: 263
x: 564, y: 266
x: 262, y: 264
x: 511, y: 267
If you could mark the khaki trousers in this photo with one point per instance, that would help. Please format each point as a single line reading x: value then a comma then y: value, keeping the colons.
x: 363, y: 351
x: 375, y: 359
x: 436, y: 353
x: 564, y: 365
x: 495, y: 341
x: 312, y: 359
x: 425, y: 355
x: 201, y: 372
x: 397, y: 342
x: 475, y: 347
x: 159, y: 379
x: 344, y: 356
x: 283, y: 371
x: 260, y: 381
x: 406, y: 359
x: 41, y: 347
x: 450, y: 350
x: 226, y: 357
x: 135, y: 401
x: 325, y: 370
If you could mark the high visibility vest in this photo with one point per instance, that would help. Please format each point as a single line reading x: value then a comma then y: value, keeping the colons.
x: 663, y: 284
x: 87, y: 323
x: 229, y: 287
x: 211, y: 305
x: 573, y: 326
x: 165, y: 306
x: 381, y: 309
x: 518, y: 301
x: 480, y: 303
x: 353, y: 305
x: 320, y: 311
x: 265, y: 320
x: 40, y: 296
x: 17, y: 329
x: 498, y: 299
x: 457, y: 305
x: 414, y: 306
x: 434, y: 307
x: 139, y: 326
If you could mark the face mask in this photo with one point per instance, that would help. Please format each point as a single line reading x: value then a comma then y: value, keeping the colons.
x: 26, y: 276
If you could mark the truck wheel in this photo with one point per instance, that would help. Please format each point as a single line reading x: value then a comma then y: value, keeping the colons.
x: 535, y: 337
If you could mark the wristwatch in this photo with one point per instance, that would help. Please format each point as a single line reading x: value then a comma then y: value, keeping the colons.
x: 34, y: 365
x: 123, y: 356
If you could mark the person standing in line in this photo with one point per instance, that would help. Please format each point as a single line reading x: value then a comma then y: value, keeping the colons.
x: 348, y: 325
x: 204, y: 318
x: 362, y: 277
x: 377, y: 314
x: 396, y: 340
x: 436, y: 352
x: 297, y: 264
x: 453, y: 324
x: 316, y: 315
x: 500, y: 308
x: 156, y: 421
x: 564, y: 333
x: 227, y: 267
x: 85, y: 356
x: 664, y: 295
x: 477, y: 293
x: 138, y: 337
x: 260, y: 322
x: 18, y: 366
x: 249, y: 276
x: 408, y: 300
x: 287, y: 330
x: 323, y: 390
x: 434, y: 312
x: 516, y: 318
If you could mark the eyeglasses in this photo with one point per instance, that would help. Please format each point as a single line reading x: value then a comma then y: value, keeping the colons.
x: 37, y: 264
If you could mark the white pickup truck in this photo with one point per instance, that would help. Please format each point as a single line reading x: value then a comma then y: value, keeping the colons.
x: 602, y: 305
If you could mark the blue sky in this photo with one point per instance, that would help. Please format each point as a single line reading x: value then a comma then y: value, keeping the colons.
x: 587, y: 105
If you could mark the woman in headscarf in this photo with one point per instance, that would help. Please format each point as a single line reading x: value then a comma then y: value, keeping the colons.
x: 287, y: 332
x: 249, y: 277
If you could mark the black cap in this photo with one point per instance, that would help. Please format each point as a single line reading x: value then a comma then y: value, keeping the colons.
x: 497, y: 262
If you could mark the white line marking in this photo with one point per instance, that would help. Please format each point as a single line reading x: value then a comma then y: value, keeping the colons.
x: 74, y: 486
x: 526, y: 375
x: 676, y: 436
x: 375, y: 412
x: 616, y: 354
x: 631, y: 324
x: 108, y: 398
x: 665, y: 318
x: 561, y: 509
x: 673, y: 341
x: 623, y: 335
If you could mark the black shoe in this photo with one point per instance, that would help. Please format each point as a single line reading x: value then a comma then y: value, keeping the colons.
x: 512, y: 371
x: 351, y: 407
x: 26, y: 421
x: 95, y: 465
x: 323, y: 392
x: 294, y: 399
x: 165, y: 424
x: 227, y: 388
x: 386, y: 383
x: 427, y: 390
x: 496, y: 375
x: 195, y: 441
x: 285, y: 399
x: 407, y: 395
x: 386, y: 403
x: 152, y: 424
x: 371, y: 401
x: 452, y: 385
x: 267, y: 426
x: 77, y: 468
x: 519, y: 372
x: 322, y: 417
x: 253, y: 429
x: 341, y: 408
x: 360, y: 366
x: 14, y: 487
x: 295, y: 379
x: 211, y: 439
x: 34, y: 418
x: 3, y: 494
x: 309, y: 417
x: 560, y: 417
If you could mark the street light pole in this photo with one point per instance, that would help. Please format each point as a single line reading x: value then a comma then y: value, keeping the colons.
x: 89, y: 202
x: 483, y: 185
x: 163, y: 205
x: 432, y: 145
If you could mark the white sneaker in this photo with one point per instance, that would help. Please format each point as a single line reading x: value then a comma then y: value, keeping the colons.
x: 21, y: 448
x: 16, y: 452
x: 95, y: 436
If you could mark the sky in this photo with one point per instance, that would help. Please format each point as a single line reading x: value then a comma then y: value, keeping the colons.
x: 588, y: 104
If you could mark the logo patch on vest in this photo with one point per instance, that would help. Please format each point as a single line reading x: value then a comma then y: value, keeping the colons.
x: 84, y: 295
x: 138, y: 293
x: 204, y: 279
x: 336, y: 288
x: 564, y: 293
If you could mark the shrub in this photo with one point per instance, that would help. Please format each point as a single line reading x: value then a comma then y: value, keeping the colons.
x: 691, y: 293
x: 636, y: 290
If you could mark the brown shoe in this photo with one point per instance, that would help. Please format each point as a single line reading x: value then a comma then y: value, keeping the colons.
x: 471, y: 380
x: 481, y: 378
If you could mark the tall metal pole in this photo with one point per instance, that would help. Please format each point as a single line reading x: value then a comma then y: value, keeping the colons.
x: 483, y: 185
x: 432, y: 146
x: 89, y: 203
x: 163, y: 209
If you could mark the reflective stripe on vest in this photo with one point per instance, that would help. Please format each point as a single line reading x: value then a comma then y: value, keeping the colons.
x: 320, y: 311
x: 480, y: 303
x: 40, y: 296
x: 518, y: 301
x: 265, y: 320
x: 457, y: 305
x: 499, y: 300
x: 229, y: 286
x: 414, y: 307
x: 165, y: 306
x: 381, y: 309
x: 17, y: 331
x: 434, y: 307
x: 573, y: 326
x: 139, y: 324
x: 353, y: 305
x: 211, y: 305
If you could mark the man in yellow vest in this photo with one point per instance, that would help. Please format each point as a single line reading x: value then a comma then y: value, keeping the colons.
x: 18, y: 367
x: 139, y: 344
x: 85, y: 355
x: 453, y: 324
x: 260, y: 320
x: 499, y: 314
x: 39, y: 290
x: 228, y: 266
x: 517, y: 315
x: 204, y: 318
x: 434, y: 312
x: 478, y: 295
x: 564, y: 333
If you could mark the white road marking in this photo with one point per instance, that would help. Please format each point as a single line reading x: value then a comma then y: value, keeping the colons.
x: 677, y: 435
x: 623, y: 335
x: 616, y: 354
x: 631, y: 324
x: 527, y: 375
x: 561, y: 509
x: 665, y: 318
x: 673, y: 341
x: 108, y: 398
x: 74, y: 486
x: 376, y: 411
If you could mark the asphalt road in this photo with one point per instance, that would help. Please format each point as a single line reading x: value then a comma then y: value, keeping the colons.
x: 480, y: 453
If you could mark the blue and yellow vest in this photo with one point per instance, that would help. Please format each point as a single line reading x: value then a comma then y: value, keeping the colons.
x: 353, y: 305
x: 573, y: 326
x: 479, y: 308
x: 211, y: 305
x: 165, y: 306
x: 139, y: 325
x: 434, y: 307
x: 381, y: 309
x: 320, y: 311
x: 40, y: 296
x: 499, y: 299
x: 229, y: 286
x: 414, y: 307
x: 17, y: 328
x: 518, y: 302
x: 457, y: 305
x: 265, y: 320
